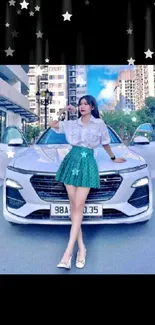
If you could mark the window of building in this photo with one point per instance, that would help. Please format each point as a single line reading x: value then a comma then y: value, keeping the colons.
x: 2, y: 124
x: 60, y: 76
x: 52, y: 77
x: 52, y: 110
x: 61, y: 93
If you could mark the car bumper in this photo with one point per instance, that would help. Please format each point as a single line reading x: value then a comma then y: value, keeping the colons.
x: 119, y: 202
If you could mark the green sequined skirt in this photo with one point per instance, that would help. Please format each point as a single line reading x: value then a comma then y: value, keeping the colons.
x: 79, y: 168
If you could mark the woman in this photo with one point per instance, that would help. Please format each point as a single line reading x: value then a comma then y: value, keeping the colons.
x: 78, y: 170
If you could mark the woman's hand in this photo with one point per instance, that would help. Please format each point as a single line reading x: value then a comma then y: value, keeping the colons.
x: 69, y: 108
x: 119, y: 160
x: 54, y: 124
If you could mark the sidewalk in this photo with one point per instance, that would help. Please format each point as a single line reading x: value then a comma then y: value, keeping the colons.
x: 1, y: 182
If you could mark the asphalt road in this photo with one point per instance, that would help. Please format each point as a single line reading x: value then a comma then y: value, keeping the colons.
x: 111, y: 249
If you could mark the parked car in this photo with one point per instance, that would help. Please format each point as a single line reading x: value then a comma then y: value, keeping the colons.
x: 143, y: 143
x: 31, y: 195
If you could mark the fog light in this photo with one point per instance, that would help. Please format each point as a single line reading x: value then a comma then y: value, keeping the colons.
x: 141, y: 182
x: 14, y: 184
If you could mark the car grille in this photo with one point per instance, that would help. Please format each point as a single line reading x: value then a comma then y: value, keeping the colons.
x: 140, y: 197
x: 107, y: 214
x: 47, y: 188
x: 14, y: 200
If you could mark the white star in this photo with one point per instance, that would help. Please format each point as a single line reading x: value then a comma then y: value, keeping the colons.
x: 31, y: 13
x: 129, y: 31
x: 37, y: 8
x: 47, y: 60
x: 148, y: 54
x: 84, y: 154
x: 39, y: 34
x: 12, y: 3
x: 24, y: 4
x: 18, y: 12
x: 10, y: 154
x: 39, y: 71
x: 67, y: 16
x: 7, y: 24
x: 87, y: 2
x: 9, y: 51
x: 131, y: 61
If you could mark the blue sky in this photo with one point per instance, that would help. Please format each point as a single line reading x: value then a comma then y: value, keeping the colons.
x: 100, y: 81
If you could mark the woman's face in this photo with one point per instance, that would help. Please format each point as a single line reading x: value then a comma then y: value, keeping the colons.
x: 84, y: 107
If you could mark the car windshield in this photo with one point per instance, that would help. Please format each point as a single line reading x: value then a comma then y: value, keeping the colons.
x: 146, y: 130
x: 51, y: 137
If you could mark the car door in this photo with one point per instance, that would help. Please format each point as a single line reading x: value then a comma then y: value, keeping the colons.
x: 7, y: 151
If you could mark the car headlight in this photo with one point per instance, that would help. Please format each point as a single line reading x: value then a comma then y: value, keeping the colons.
x: 141, y: 182
x: 14, y: 184
x: 133, y: 169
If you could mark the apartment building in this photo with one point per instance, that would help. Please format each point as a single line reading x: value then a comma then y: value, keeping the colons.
x: 14, y: 105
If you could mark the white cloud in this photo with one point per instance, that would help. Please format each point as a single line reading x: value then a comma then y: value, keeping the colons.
x: 107, y: 92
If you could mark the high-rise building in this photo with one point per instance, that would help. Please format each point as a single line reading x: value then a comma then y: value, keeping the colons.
x: 125, y: 90
x: 144, y: 84
x: 77, y: 85
x: 53, y: 77
x: 133, y: 86
x: 14, y: 106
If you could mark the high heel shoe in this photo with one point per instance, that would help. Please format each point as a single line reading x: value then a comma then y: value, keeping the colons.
x: 65, y: 265
x: 80, y: 264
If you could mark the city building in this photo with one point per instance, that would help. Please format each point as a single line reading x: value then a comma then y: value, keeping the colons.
x: 144, y: 84
x: 125, y: 90
x: 133, y: 86
x: 77, y: 85
x: 14, y: 105
x: 53, y: 78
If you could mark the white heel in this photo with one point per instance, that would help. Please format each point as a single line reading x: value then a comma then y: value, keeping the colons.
x: 65, y: 265
x: 80, y: 264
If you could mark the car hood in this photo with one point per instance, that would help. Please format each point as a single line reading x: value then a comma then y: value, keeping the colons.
x: 47, y: 158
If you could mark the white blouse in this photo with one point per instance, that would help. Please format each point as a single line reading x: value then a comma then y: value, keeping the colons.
x: 95, y: 133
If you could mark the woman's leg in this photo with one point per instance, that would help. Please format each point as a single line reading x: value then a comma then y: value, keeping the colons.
x: 77, y: 216
x: 71, y: 191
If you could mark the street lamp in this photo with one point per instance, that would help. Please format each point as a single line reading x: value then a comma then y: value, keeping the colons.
x: 47, y: 100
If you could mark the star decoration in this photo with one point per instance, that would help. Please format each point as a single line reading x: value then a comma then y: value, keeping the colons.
x: 37, y: 8
x: 12, y: 3
x: 148, y: 54
x: 18, y: 12
x: 80, y: 81
x: 39, y: 71
x: 47, y: 60
x: 9, y: 51
x: 84, y: 154
x: 7, y: 24
x: 39, y: 34
x: 87, y: 2
x: 129, y: 31
x: 31, y: 13
x: 24, y: 4
x: 67, y: 16
x: 14, y: 33
x: 75, y: 172
x: 131, y: 61
x: 10, y: 154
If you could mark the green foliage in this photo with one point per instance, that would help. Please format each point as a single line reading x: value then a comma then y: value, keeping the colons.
x: 31, y: 133
x: 122, y: 123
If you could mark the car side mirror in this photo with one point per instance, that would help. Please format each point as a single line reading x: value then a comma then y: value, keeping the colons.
x: 140, y: 140
x: 15, y: 142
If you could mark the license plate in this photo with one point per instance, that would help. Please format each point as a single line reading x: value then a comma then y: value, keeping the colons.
x: 64, y: 210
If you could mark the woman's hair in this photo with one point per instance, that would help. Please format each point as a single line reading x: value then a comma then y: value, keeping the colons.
x: 92, y: 102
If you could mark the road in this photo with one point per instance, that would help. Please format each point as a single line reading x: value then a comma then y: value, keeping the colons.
x: 111, y: 249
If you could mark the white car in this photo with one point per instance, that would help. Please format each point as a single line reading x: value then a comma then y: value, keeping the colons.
x: 143, y: 143
x: 31, y: 195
